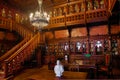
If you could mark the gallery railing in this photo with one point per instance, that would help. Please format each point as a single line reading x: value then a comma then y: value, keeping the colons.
x: 81, y: 12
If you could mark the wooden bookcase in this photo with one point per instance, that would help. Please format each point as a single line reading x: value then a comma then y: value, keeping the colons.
x: 96, y: 46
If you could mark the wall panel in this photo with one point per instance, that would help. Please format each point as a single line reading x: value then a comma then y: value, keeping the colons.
x: 61, y: 34
x: 99, y: 30
x: 2, y: 35
x: 115, y: 29
x: 48, y: 35
x: 79, y: 32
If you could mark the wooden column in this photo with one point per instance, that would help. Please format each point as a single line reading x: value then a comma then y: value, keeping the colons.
x: 38, y: 56
x: 85, y: 6
x: 88, y: 35
x: 109, y: 27
x: 69, y: 42
x: 69, y: 31
x: 53, y: 32
x: 87, y: 27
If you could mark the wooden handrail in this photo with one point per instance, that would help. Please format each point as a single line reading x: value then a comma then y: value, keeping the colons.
x: 7, y: 54
x: 79, y: 18
x: 25, y: 33
x: 21, y: 48
x: 11, y: 25
x: 13, y: 63
x: 22, y: 51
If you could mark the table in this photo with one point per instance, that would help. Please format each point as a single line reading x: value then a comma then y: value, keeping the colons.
x: 76, y: 67
x: 74, y: 75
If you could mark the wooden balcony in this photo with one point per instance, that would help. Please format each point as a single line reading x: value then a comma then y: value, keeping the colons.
x: 80, y: 12
x: 79, y: 18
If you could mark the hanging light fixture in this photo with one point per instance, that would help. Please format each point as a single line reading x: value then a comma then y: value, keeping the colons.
x: 40, y: 18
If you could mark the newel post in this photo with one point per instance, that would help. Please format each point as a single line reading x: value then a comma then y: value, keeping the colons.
x: 5, y: 68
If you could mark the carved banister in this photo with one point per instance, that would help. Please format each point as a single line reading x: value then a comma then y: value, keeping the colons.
x: 9, y: 67
x: 5, y: 23
x: 79, y: 18
x: 14, y: 62
x: 12, y: 25
x: 11, y: 51
x: 75, y: 18
x: 96, y: 16
x: 18, y: 54
x: 23, y: 47
x: 22, y: 30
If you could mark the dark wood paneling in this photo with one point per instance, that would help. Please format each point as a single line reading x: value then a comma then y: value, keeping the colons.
x: 48, y: 35
x: 115, y: 29
x: 99, y: 30
x: 79, y: 32
x: 61, y: 34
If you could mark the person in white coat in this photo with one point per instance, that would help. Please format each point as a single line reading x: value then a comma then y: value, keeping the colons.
x: 58, y: 69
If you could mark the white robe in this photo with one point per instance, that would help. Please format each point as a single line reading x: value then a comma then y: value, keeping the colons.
x: 58, y: 69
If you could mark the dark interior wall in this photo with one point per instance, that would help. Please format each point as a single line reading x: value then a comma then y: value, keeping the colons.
x: 8, y: 36
x: 14, y: 14
x: 115, y: 29
x: 77, y: 32
x: 99, y: 30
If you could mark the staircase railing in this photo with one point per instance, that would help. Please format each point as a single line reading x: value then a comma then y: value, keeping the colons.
x: 12, y: 25
x: 11, y: 51
x: 18, y: 54
x: 15, y: 61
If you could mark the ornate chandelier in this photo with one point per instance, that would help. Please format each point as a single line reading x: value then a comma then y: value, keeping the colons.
x: 40, y: 18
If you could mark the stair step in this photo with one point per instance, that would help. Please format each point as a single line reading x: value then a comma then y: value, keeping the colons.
x: 2, y: 74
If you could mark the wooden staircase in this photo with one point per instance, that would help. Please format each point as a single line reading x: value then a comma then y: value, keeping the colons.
x: 12, y: 61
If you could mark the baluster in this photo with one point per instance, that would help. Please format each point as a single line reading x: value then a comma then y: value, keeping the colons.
x: 96, y: 4
x: 102, y: 4
x: 89, y: 5
x: 9, y: 15
x: 54, y: 13
x: 51, y: 14
x: 65, y: 11
x: 14, y: 65
x: 18, y: 60
x: 82, y: 7
x: 71, y: 9
x: 60, y: 12
x: 77, y: 8
x: 3, y: 13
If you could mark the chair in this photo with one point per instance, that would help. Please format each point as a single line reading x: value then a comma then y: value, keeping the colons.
x: 105, y: 70
x: 74, y: 68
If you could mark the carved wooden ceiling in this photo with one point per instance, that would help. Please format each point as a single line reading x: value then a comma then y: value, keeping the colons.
x: 28, y: 6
